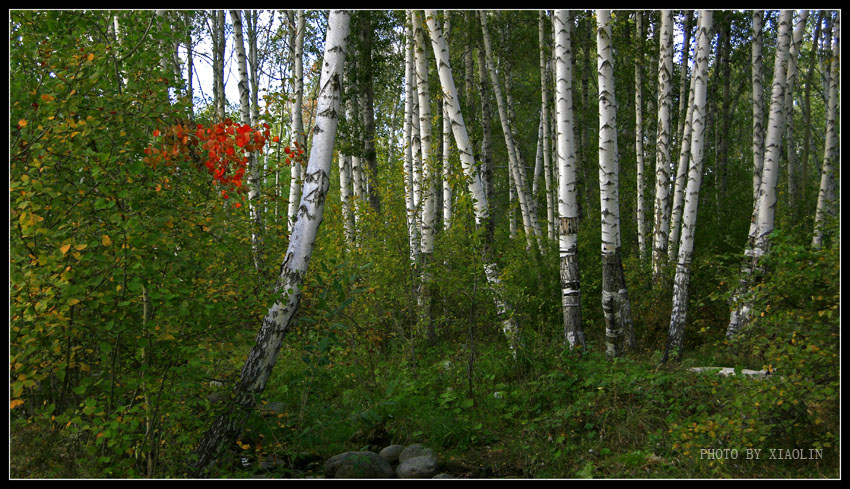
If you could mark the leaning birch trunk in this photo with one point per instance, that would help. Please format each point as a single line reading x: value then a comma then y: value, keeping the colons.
x: 683, y: 90
x: 676, y: 333
x: 547, y: 129
x: 826, y: 194
x: 261, y: 360
x: 476, y: 187
x: 759, y: 242
x: 681, y: 174
x: 567, y: 188
x: 297, y: 130
x: 614, y: 294
x: 517, y: 173
x: 253, y: 166
x: 428, y: 176
x: 662, y: 145
x: 641, y: 185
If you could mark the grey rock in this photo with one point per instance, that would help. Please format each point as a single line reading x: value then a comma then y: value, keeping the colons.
x: 415, y: 450
x: 358, y: 465
x: 391, y: 453
x: 421, y: 467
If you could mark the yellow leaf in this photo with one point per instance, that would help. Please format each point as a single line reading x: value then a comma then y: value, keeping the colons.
x: 91, y: 56
x: 46, y: 97
x: 80, y: 247
x: 22, y: 123
x: 64, y: 249
x: 73, y: 302
x: 779, y: 402
x: 15, y: 403
x: 106, y: 240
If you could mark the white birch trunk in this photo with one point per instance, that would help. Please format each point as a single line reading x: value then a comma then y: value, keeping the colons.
x: 614, y: 295
x: 263, y: 356
x: 826, y: 193
x: 567, y: 186
x: 641, y: 185
x: 297, y: 130
x: 410, y: 189
x: 758, y: 112
x: 766, y: 204
x: 683, y: 90
x: 662, y: 145
x: 676, y: 332
x: 254, y: 183
x: 476, y: 186
x: 681, y: 181
x: 447, y: 138
x: 429, y: 176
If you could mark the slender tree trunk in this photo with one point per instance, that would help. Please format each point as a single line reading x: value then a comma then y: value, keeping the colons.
x: 547, y: 130
x: 567, y: 186
x: 538, y: 159
x: 409, y: 154
x: 447, y: 137
x: 517, y: 172
x: 681, y: 174
x: 758, y: 242
x: 758, y: 110
x: 807, y: 113
x: 263, y: 355
x: 486, y: 168
x: 476, y: 188
x: 614, y: 295
x: 662, y: 145
x: 586, y: 152
x: 725, y: 45
x: 641, y: 186
x: 429, y: 177
x: 367, y: 111
x: 218, y: 40
x: 297, y: 129
x: 254, y: 182
x: 790, y: 148
x: 683, y: 82
x: 676, y: 333
x: 826, y: 194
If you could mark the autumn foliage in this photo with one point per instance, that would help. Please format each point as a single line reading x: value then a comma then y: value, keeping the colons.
x: 223, y: 149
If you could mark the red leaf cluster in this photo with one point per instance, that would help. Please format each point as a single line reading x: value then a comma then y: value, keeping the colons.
x: 224, y: 149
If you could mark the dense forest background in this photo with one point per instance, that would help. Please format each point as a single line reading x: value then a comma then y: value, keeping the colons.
x: 159, y: 163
